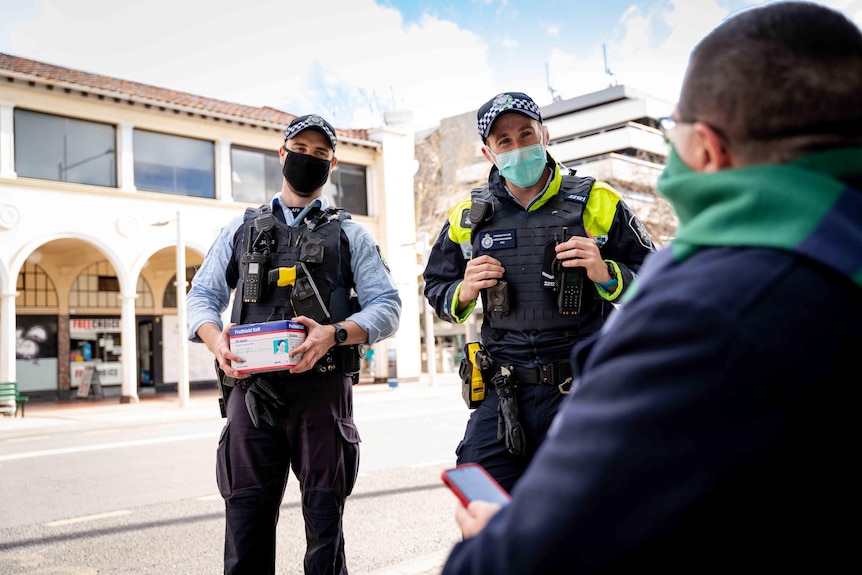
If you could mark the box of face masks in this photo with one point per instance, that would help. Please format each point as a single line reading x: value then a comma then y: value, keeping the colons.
x: 266, y: 346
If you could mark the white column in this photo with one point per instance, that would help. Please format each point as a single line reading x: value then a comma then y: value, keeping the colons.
x: 399, y: 240
x: 7, y: 336
x: 126, y: 157
x: 182, y: 322
x: 223, y: 180
x: 7, y: 141
x: 129, y: 357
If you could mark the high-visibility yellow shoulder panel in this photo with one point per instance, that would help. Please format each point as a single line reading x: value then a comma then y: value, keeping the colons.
x: 600, y: 209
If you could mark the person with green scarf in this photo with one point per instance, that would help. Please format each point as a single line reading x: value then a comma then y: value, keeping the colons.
x: 709, y: 427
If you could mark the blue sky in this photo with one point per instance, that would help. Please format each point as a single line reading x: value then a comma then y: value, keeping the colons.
x: 352, y: 59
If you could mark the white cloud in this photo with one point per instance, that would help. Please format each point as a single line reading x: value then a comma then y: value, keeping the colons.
x: 355, y: 54
x: 647, y: 50
x: 355, y: 59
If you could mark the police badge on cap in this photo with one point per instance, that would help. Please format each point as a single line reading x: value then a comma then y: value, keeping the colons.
x: 505, y: 102
x: 311, y: 122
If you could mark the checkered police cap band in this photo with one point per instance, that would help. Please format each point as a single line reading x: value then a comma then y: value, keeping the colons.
x: 313, y: 122
x: 505, y: 102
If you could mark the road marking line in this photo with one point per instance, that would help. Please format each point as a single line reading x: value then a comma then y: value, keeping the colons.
x: 210, y: 498
x: 28, y: 438
x: 114, y: 445
x: 446, y: 462
x: 83, y: 518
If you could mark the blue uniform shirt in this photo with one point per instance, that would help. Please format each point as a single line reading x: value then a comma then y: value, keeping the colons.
x: 210, y: 293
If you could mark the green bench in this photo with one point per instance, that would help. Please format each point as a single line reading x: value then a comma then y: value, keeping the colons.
x: 8, y: 394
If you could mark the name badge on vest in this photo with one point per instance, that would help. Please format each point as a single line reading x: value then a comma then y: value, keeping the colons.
x: 575, y: 198
x: 497, y: 239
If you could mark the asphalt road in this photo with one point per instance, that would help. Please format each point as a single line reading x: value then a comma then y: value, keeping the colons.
x: 104, y: 488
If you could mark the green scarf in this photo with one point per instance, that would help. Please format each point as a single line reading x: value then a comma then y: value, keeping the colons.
x: 802, y: 206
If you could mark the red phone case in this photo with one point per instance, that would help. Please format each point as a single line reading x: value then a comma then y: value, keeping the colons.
x: 471, y: 481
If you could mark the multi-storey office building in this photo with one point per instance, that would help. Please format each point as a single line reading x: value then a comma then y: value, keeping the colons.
x: 102, y: 179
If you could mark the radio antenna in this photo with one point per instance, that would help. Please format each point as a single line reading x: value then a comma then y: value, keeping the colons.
x: 555, y: 97
x: 611, y: 75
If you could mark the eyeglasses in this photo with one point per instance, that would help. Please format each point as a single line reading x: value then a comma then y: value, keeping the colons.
x: 668, y: 126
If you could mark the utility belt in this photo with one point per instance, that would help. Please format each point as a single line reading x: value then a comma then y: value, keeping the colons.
x: 343, y: 358
x: 477, y: 371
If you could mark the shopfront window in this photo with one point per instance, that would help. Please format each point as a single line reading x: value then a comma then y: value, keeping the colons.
x: 36, y: 352
x: 64, y: 149
x: 95, y: 344
x: 255, y: 175
x: 174, y: 165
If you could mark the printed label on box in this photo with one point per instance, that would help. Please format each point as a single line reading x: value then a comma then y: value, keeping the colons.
x: 266, y: 346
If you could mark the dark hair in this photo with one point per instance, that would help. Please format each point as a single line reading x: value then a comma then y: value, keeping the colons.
x: 778, y: 81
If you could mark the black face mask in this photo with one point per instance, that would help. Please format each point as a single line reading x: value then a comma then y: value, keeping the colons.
x: 305, y: 174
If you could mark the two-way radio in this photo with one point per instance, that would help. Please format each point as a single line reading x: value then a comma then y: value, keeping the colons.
x: 254, y: 270
x: 255, y: 260
x: 569, y: 286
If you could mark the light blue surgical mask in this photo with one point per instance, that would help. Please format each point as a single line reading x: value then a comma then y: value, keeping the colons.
x: 522, y: 167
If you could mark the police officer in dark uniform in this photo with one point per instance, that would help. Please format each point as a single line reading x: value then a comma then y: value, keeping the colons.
x: 295, y: 259
x: 548, y: 252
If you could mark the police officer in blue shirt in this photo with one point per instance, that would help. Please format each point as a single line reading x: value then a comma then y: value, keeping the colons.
x: 301, y: 419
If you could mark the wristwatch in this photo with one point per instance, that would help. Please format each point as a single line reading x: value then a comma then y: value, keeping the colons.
x: 340, y: 333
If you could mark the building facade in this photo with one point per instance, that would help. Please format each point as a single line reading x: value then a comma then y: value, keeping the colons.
x: 102, y: 180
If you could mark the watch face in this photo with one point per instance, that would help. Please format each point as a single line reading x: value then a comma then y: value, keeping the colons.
x: 340, y: 334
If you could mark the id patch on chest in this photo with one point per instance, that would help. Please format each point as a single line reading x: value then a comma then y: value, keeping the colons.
x: 497, y: 239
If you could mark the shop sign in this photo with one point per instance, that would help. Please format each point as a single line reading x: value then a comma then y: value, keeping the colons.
x: 98, y: 324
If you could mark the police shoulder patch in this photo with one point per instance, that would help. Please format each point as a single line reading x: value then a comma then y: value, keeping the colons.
x: 640, y: 231
x: 382, y: 259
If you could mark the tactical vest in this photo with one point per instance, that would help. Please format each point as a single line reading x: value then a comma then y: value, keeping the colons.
x: 524, y: 242
x: 316, y: 243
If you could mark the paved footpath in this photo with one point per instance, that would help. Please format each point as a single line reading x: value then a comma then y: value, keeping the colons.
x: 163, y: 407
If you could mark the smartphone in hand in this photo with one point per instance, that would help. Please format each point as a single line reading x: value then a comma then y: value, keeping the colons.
x: 470, y: 481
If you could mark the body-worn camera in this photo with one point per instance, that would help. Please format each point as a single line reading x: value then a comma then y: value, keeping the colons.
x: 311, y: 251
x: 497, y: 297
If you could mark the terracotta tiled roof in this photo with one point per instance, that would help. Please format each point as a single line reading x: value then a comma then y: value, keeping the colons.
x: 154, y: 93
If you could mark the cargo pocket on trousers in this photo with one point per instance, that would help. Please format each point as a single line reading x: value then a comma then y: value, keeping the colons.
x: 223, y: 463
x: 350, y: 451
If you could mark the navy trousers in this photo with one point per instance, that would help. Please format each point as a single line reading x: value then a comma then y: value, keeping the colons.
x: 319, y: 442
x: 537, y: 405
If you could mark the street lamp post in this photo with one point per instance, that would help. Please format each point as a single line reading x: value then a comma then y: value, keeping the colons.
x: 182, y: 322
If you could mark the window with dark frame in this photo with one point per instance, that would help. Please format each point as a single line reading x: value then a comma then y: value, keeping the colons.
x: 35, y: 288
x: 255, y: 175
x: 348, y: 188
x: 51, y: 147
x: 174, y: 164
